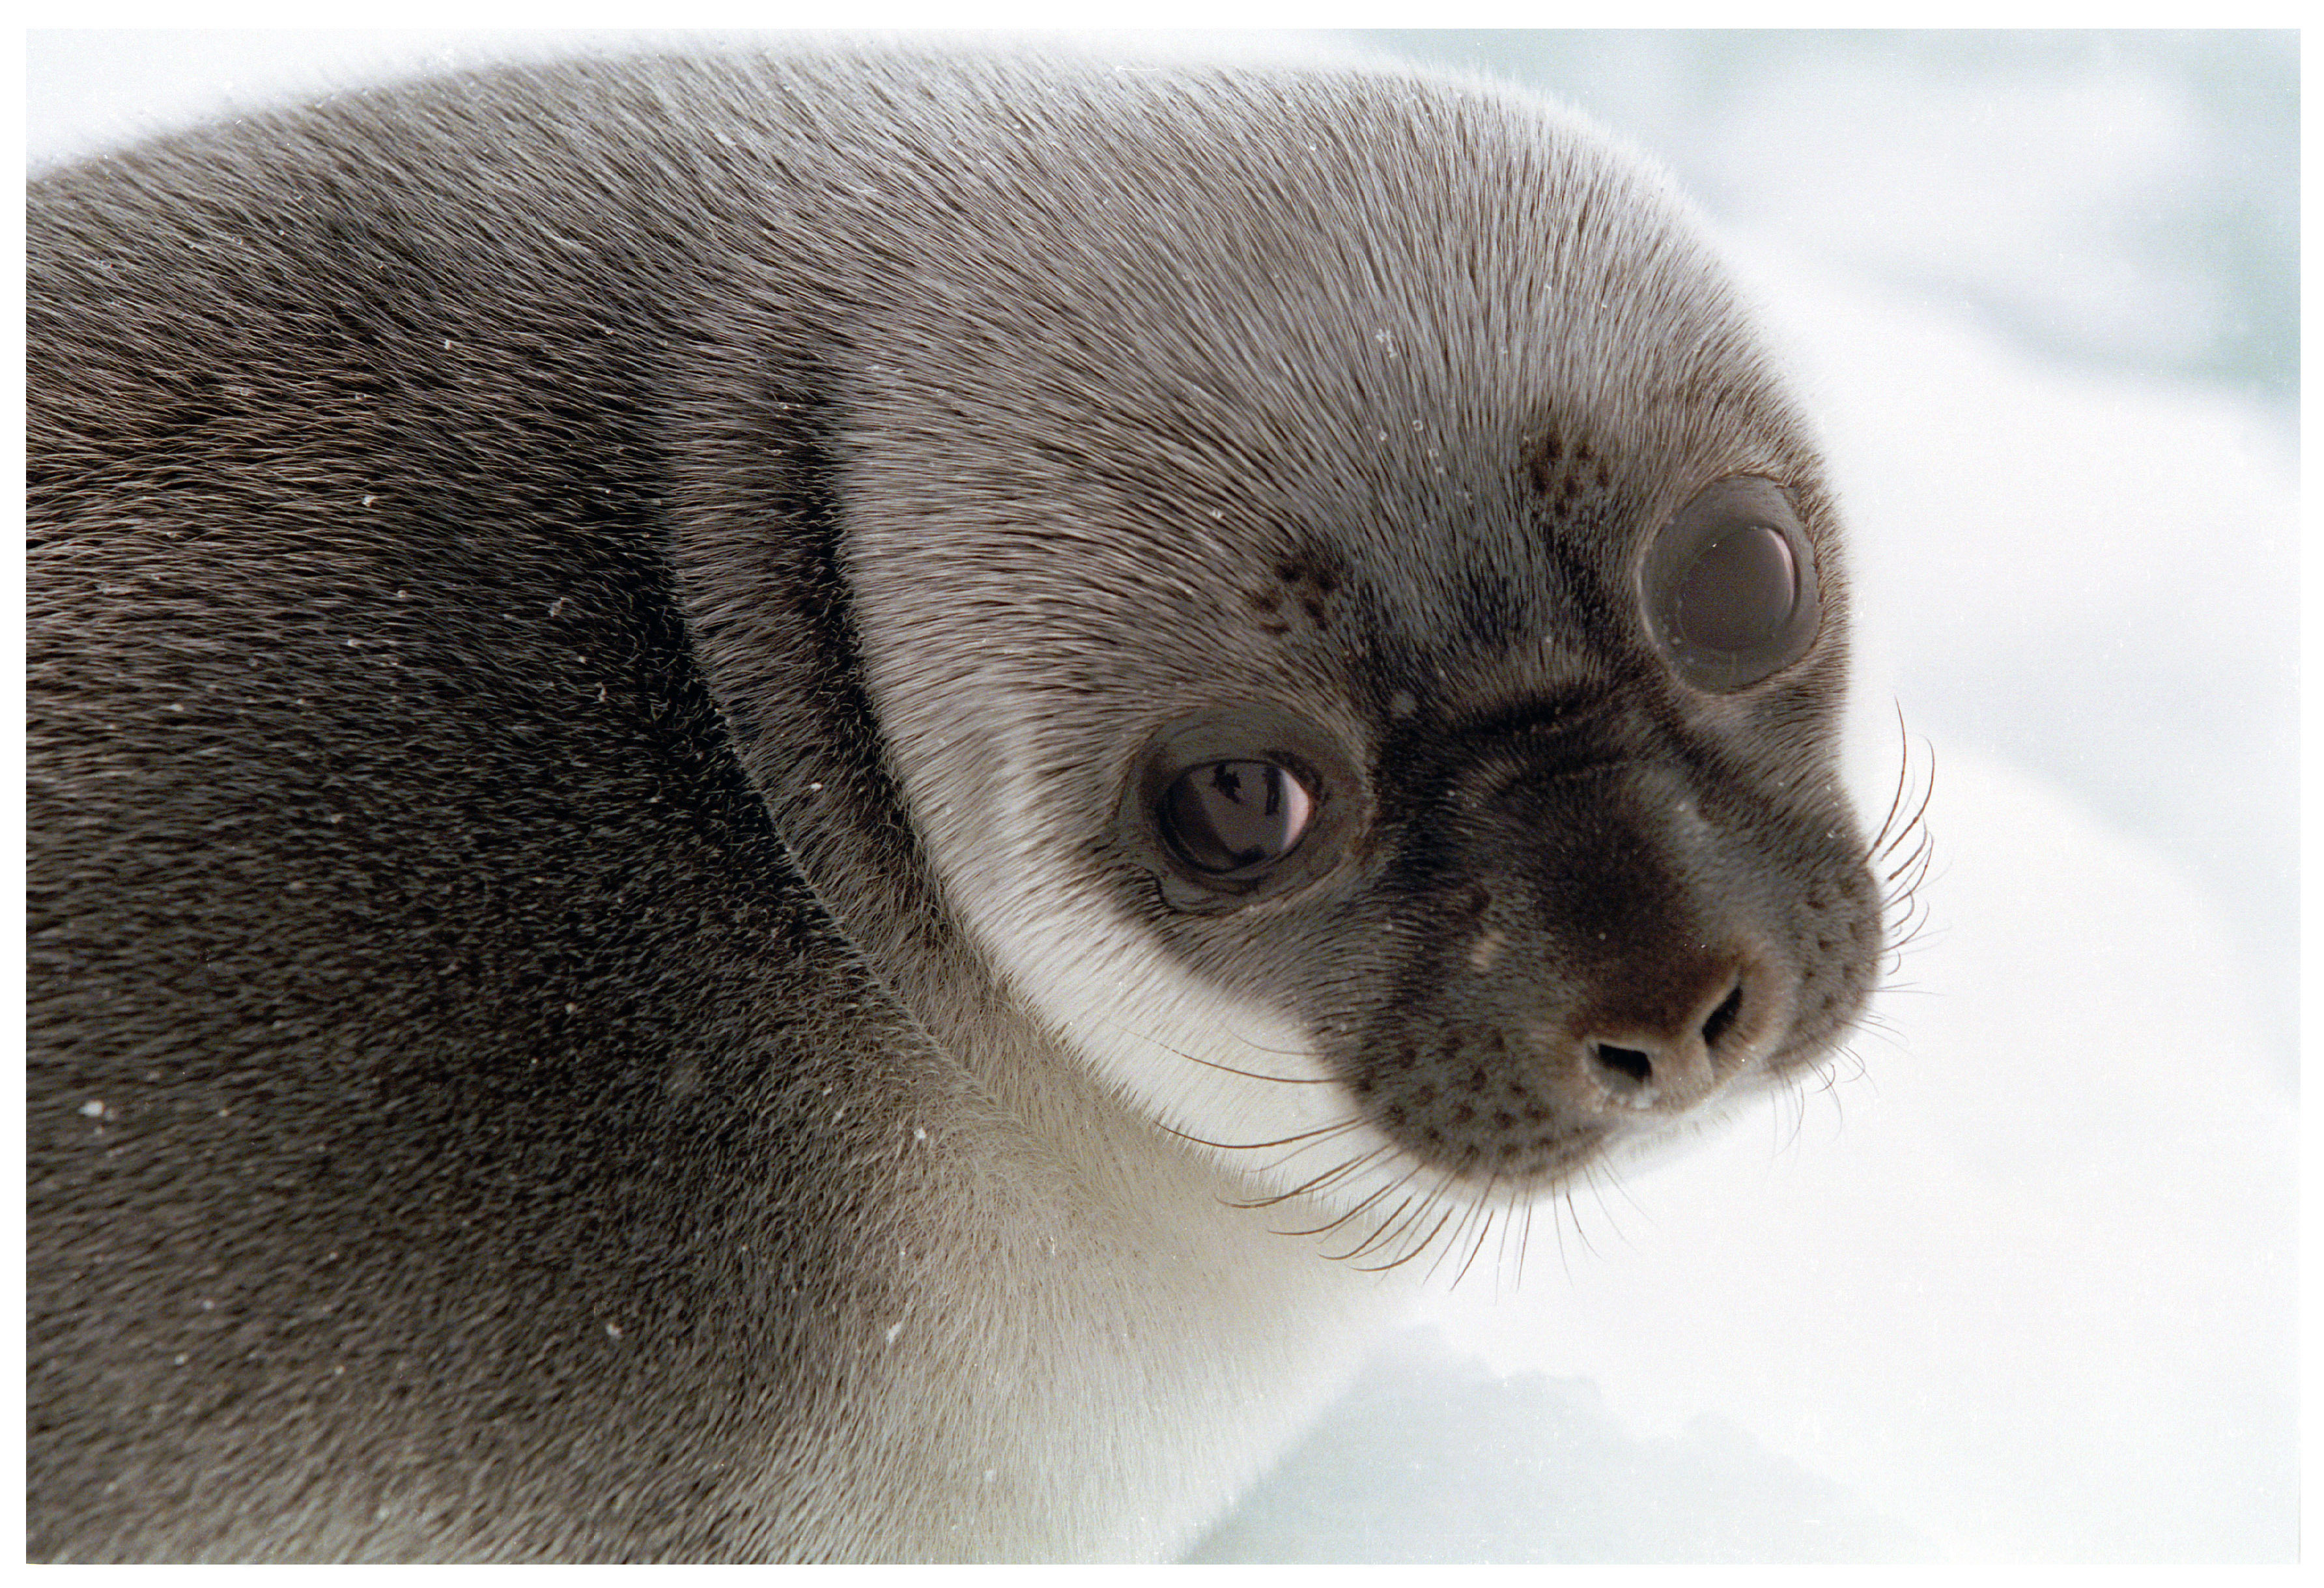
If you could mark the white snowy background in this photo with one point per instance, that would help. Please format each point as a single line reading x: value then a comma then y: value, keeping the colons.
x: 2022, y: 1285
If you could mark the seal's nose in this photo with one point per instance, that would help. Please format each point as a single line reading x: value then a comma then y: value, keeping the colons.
x: 1668, y: 1064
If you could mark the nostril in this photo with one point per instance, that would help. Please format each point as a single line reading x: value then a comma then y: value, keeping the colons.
x: 1643, y: 1072
x: 1722, y: 1019
x: 1624, y: 1071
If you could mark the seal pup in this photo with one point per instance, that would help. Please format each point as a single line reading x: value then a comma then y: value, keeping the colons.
x: 789, y: 808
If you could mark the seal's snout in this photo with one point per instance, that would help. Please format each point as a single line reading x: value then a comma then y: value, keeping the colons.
x: 1606, y: 943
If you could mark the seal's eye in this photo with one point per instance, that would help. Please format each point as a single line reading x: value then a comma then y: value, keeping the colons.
x: 1740, y: 593
x: 1730, y: 585
x: 1233, y: 816
x: 1240, y: 803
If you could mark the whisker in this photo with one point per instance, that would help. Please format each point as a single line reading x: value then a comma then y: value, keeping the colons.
x: 1436, y: 1195
x: 1524, y: 1239
x: 1388, y: 1227
x: 1573, y: 1207
x: 1214, y: 1064
x: 1928, y: 788
x: 1453, y: 1241
x: 1557, y: 1228
x: 1416, y: 1252
x: 1517, y: 1202
x: 1915, y: 931
x: 1366, y: 1244
x: 1913, y: 919
x: 1258, y: 1046
x: 1483, y: 1231
x: 1597, y: 1194
x: 1902, y: 853
x: 1428, y: 1205
x: 1357, y: 1211
x: 1504, y: 1217
x: 1916, y: 824
x: 1281, y: 1164
x: 1255, y: 1075
x: 1887, y: 839
x: 1622, y: 1189
x: 1390, y: 1189
x: 1343, y: 1167
x: 1903, y: 760
x: 1799, y: 1120
x: 1916, y: 862
x: 1347, y: 1125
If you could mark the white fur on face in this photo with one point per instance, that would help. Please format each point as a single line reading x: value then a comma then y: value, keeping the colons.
x: 1226, y: 1071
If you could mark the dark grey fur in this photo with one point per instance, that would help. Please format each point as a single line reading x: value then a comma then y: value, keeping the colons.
x: 496, y: 1043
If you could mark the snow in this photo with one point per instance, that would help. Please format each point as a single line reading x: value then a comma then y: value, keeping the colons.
x: 2020, y: 1286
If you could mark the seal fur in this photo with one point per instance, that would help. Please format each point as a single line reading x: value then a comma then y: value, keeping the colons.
x: 595, y: 987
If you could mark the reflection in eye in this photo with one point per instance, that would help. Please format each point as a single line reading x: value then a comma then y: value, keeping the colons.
x: 1227, y: 815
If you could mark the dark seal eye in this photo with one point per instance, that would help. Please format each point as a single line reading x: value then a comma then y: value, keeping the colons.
x: 1740, y: 593
x: 1730, y: 586
x: 1232, y: 816
x: 1237, y: 804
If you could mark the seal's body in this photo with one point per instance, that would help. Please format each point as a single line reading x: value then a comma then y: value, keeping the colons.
x: 765, y: 795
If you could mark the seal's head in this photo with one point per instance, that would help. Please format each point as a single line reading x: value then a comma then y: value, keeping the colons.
x: 1374, y: 692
